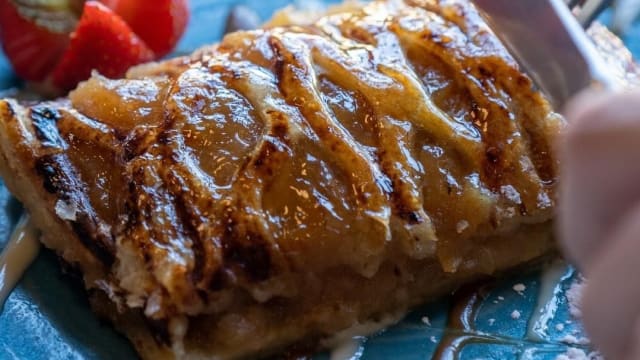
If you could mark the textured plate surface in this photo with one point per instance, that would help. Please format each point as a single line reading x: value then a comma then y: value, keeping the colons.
x: 48, y: 317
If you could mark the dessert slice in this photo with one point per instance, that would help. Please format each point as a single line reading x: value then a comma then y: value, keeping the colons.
x: 294, y: 181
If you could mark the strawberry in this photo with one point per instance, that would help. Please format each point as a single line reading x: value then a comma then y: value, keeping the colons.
x: 102, y: 41
x: 39, y: 39
x: 160, y: 23
x: 35, y: 35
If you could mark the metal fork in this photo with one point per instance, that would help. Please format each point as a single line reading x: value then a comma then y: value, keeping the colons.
x: 551, y: 44
x: 624, y: 12
x: 587, y: 10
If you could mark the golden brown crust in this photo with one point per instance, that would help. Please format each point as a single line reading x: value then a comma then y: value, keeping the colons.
x: 259, y: 330
x: 267, y: 190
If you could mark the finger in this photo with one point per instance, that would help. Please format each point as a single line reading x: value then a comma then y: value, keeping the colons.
x: 610, y: 301
x: 600, y: 176
x: 634, y: 353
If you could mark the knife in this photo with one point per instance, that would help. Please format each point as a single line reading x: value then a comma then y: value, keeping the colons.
x: 550, y: 44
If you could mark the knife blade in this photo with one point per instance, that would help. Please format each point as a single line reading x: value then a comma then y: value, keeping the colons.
x: 550, y: 45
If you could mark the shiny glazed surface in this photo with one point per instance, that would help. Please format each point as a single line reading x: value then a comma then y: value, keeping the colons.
x: 301, y: 150
x: 251, y: 168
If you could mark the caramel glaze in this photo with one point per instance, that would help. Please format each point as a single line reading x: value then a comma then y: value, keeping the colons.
x: 17, y: 255
x: 400, y: 132
x: 461, y: 324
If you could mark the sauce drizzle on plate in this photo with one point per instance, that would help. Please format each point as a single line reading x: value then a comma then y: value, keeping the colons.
x: 466, y: 303
x: 18, y: 254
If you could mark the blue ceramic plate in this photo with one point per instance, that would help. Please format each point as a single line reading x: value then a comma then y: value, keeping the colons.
x: 48, y: 317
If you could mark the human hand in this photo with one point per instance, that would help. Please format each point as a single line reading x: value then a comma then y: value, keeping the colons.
x: 600, y: 215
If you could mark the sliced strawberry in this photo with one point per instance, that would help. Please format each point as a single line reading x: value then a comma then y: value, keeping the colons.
x: 103, y: 42
x: 160, y: 23
x: 35, y: 35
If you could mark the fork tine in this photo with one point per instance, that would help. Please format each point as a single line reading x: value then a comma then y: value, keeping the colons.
x: 624, y: 14
x: 590, y: 10
x: 572, y: 3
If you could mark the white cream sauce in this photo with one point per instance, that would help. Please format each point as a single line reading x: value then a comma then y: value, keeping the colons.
x: 18, y: 254
x: 348, y: 344
x: 350, y: 349
x: 548, y: 298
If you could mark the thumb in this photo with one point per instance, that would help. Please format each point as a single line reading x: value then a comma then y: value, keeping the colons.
x: 600, y: 173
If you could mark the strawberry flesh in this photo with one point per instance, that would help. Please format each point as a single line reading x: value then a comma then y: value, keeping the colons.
x: 102, y: 41
x: 32, y: 48
x: 160, y: 23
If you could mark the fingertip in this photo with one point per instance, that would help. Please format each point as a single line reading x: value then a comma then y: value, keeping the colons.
x: 599, y: 179
x: 582, y: 103
x: 597, y: 110
x: 610, y: 311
